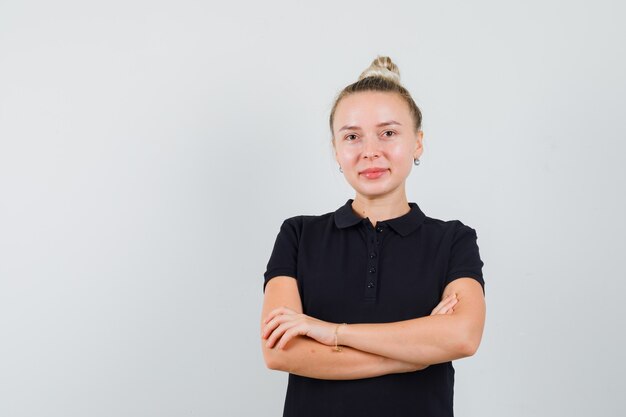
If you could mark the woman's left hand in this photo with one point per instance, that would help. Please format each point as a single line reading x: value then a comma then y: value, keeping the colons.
x: 282, y: 324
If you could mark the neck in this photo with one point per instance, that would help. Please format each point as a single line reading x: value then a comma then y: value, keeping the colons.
x: 380, y: 208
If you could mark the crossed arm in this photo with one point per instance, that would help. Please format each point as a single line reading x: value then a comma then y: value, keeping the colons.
x: 378, y: 349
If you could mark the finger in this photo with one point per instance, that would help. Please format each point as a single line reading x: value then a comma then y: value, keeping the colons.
x: 271, y: 339
x: 276, y: 311
x: 284, y: 324
x: 278, y: 332
x: 448, y: 305
x: 449, y: 308
x: 273, y: 313
x: 275, y: 322
x: 287, y: 336
x: 438, y: 306
x: 436, y: 309
x: 442, y: 304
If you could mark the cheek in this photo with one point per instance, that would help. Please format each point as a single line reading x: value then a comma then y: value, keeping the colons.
x: 347, y: 156
x: 400, y: 156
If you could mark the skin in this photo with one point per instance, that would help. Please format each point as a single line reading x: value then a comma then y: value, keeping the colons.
x: 294, y: 323
x: 376, y: 129
x: 363, y: 138
x: 360, y: 143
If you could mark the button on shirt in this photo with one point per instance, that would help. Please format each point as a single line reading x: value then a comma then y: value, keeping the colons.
x: 349, y: 271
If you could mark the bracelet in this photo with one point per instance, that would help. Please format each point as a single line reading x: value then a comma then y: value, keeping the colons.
x: 337, y: 348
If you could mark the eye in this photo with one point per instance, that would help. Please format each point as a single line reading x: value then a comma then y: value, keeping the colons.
x: 348, y: 137
x: 389, y: 133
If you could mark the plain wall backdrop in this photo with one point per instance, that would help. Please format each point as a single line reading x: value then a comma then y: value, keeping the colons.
x: 149, y: 151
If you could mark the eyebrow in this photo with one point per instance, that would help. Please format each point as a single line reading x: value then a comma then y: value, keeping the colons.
x: 390, y: 122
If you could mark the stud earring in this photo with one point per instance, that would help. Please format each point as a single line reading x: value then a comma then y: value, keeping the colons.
x: 416, y: 161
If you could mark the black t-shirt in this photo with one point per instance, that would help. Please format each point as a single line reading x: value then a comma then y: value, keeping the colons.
x: 349, y: 271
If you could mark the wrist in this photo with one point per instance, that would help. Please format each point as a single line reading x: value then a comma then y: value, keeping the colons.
x: 337, y: 346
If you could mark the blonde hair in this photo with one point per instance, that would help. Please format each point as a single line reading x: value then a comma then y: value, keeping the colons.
x: 381, y: 75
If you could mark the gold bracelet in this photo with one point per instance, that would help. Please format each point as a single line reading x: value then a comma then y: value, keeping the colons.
x: 337, y: 348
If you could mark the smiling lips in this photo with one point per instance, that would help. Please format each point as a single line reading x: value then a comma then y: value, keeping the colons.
x: 373, y: 173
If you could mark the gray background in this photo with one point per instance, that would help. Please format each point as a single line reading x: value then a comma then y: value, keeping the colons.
x: 149, y: 151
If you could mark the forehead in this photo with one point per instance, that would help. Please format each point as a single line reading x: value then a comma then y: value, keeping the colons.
x: 368, y: 108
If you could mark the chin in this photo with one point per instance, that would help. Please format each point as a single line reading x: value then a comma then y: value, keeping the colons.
x: 374, y: 191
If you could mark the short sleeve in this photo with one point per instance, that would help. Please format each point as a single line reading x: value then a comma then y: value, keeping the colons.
x: 464, y: 259
x: 284, y: 257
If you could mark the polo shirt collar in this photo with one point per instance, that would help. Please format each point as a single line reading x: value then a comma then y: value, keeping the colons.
x: 404, y: 225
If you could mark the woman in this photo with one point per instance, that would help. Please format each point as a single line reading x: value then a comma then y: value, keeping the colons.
x: 367, y: 306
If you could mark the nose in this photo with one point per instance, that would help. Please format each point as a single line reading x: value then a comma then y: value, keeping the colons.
x: 371, y: 150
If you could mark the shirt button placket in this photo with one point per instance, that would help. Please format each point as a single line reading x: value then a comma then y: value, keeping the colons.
x: 371, y: 279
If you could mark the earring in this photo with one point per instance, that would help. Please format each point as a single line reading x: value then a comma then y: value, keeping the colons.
x: 416, y: 161
x: 340, y: 170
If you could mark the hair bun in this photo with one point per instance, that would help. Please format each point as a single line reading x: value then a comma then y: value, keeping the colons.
x: 382, y: 66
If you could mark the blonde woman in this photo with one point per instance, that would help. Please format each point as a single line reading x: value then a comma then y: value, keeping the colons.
x: 367, y: 306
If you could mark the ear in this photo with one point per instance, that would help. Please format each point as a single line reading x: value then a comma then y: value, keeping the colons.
x: 419, y: 148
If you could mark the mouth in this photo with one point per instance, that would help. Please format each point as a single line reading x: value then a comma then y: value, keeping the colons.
x: 373, y: 173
